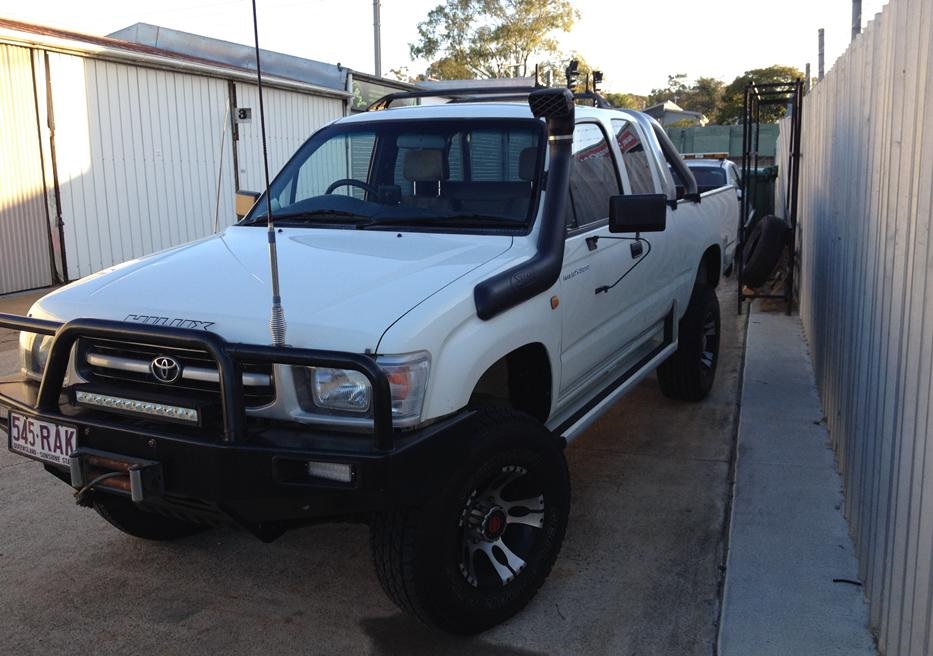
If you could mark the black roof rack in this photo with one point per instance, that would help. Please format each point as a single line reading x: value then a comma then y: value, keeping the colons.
x: 460, y: 94
x: 479, y: 94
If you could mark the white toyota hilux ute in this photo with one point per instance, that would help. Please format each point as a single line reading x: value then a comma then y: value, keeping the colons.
x: 466, y: 287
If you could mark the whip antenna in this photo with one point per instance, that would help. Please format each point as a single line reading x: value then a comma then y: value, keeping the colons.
x: 277, y: 321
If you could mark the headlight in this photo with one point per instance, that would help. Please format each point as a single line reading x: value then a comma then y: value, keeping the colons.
x: 346, y: 392
x: 340, y: 389
x: 34, y: 353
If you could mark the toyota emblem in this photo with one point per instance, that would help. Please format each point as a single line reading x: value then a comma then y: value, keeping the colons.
x: 165, y: 369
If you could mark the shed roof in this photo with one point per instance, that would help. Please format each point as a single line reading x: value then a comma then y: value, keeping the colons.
x: 115, y: 49
x: 185, y: 44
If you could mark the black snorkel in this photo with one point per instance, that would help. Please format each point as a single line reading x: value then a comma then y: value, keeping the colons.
x: 528, y: 279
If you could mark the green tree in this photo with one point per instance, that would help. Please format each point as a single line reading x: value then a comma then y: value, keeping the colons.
x: 682, y: 123
x: 625, y: 100
x: 448, y: 68
x: 733, y: 97
x: 704, y: 96
x: 491, y: 38
x: 674, y: 91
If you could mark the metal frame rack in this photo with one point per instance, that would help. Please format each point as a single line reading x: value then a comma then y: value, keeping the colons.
x: 482, y: 94
x: 758, y: 96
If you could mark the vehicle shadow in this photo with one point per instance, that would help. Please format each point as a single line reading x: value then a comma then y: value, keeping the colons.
x: 638, y: 572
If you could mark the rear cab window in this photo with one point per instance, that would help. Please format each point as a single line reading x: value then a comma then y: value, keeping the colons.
x: 709, y: 177
x: 634, y: 157
x: 593, y: 177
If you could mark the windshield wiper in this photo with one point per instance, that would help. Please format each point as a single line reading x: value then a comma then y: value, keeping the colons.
x: 306, y: 215
x: 452, y: 220
x: 313, y: 214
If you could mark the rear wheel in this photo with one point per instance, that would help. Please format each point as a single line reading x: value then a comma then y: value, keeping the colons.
x: 478, y: 551
x: 129, y: 518
x: 689, y: 373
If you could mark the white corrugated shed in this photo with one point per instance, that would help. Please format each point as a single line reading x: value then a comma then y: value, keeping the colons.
x: 290, y: 120
x: 139, y: 156
x: 25, y: 260
x: 120, y: 150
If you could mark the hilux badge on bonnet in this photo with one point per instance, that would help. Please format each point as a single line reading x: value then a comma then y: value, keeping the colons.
x: 165, y: 369
x: 155, y: 320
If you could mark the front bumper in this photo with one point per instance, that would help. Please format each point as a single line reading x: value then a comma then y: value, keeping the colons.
x: 246, y: 471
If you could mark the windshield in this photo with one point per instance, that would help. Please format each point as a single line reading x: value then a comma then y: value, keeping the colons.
x: 442, y: 173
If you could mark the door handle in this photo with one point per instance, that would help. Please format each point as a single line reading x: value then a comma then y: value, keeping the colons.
x: 637, y: 249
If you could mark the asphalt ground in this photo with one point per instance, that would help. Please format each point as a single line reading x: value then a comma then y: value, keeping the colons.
x: 640, y: 571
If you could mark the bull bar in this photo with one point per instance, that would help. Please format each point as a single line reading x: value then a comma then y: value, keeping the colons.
x: 228, y: 356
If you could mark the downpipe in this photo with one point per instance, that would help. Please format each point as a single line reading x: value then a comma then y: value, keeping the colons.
x: 507, y: 289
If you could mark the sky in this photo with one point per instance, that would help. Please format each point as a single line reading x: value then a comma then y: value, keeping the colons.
x: 636, y: 44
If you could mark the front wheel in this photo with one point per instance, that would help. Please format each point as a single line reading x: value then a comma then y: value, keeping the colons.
x: 689, y: 373
x: 478, y: 551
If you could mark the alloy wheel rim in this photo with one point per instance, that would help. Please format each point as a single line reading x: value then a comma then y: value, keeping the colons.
x: 710, y: 341
x: 500, y: 525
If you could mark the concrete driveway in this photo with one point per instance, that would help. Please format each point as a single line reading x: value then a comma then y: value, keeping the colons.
x: 639, y: 573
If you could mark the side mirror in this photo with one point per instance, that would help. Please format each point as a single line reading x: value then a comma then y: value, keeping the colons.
x: 638, y: 213
x: 244, y: 202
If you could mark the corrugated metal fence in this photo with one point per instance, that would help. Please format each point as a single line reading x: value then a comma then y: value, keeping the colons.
x: 866, y: 300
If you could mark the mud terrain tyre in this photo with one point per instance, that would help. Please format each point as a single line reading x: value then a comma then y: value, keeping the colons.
x: 689, y: 373
x: 762, y: 250
x: 480, y: 548
x: 129, y: 518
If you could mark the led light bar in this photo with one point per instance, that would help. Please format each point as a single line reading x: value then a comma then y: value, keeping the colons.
x: 331, y: 471
x: 141, y: 407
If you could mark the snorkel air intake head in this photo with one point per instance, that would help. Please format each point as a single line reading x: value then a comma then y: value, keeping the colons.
x: 556, y: 106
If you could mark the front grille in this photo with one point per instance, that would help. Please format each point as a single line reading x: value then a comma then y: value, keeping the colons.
x: 127, y: 365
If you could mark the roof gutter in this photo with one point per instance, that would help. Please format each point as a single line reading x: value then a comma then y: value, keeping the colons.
x: 162, y: 62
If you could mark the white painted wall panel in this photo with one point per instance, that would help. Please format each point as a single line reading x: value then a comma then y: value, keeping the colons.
x: 291, y: 118
x: 138, y: 154
x: 25, y: 261
x: 866, y: 300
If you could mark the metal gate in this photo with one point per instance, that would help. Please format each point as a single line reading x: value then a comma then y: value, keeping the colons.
x: 25, y: 260
x: 758, y: 95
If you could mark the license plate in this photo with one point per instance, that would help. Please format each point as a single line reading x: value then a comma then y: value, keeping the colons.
x: 42, y: 440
